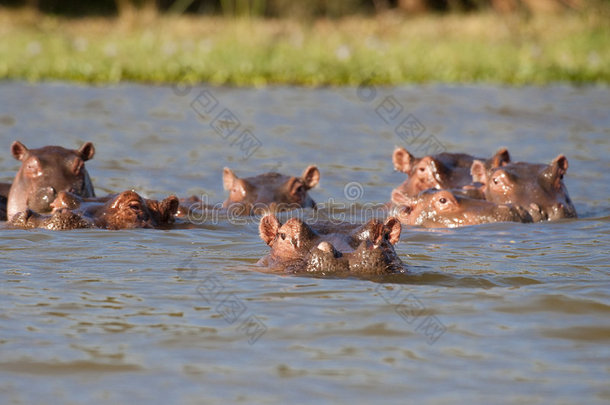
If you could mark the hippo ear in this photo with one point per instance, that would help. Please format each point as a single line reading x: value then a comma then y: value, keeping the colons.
x: 19, y: 151
x: 478, y: 172
x: 295, y: 186
x: 228, y: 178
x: 556, y: 170
x: 86, y: 151
x: 501, y: 158
x: 311, y: 176
x: 561, y: 164
x: 403, y: 160
x: 393, y: 228
x: 268, y: 228
x: 399, y: 198
x: 169, y: 206
x: 163, y: 211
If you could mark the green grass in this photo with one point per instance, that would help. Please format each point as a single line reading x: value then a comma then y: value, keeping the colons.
x: 385, y: 50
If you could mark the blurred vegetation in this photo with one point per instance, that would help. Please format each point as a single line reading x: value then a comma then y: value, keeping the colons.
x: 293, y: 8
x: 317, y: 42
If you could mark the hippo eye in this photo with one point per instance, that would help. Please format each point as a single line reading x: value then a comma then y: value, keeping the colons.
x: 422, y: 169
x: 496, y: 181
x: 442, y: 200
x: 283, y: 236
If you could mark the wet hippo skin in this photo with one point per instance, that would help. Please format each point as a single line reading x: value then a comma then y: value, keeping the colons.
x: 444, y: 209
x: 365, y: 250
x: 538, y: 188
x: 267, y: 192
x: 270, y: 191
x: 121, y: 211
x: 46, y: 171
x: 442, y: 171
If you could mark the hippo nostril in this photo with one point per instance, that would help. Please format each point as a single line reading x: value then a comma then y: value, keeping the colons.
x: 325, y: 247
x: 328, y: 247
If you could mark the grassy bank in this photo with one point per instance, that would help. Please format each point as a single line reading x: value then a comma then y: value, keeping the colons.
x: 388, y: 49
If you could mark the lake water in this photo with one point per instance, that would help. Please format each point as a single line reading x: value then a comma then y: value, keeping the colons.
x: 499, y: 313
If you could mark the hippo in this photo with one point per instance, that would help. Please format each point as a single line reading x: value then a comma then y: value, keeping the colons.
x: 266, y: 192
x: 368, y: 259
x: 364, y: 250
x: 538, y: 188
x: 442, y: 171
x: 60, y: 220
x: 121, y: 211
x: 45, y: 172
x: 129, y: 210
x: 444, y: 209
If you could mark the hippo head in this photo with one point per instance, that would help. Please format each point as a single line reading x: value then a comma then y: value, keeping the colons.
x: 129, y: 210
x: 373, y: 255
x: 290, y: 242
x: 445, y: 170
x: 378, y: 232
x: 444, y: 209
x: 538, y: 188
x: 296, y: 247
x: 270, y: 191
x: 46, y: 171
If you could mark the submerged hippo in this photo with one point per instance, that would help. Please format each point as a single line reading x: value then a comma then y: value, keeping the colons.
x: 444, y: 209
x: 538, y: 188
x: 269, y: 191
x: 297, y: 247
x: 442, y: 171
x: 122, y: 211
x: 45, y: 172
x: 60, y: 220
x: 130, y: 210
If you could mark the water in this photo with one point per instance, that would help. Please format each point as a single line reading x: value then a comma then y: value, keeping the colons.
x: 498, y: 313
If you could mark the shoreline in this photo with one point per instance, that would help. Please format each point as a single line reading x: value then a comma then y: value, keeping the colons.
x: 479, y: 48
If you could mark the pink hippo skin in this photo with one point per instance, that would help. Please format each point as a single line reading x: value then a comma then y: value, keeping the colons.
x: 366, y: 250
x: 269, y: 192
x: 122, y: 211
x: 442, y: 171
x: 538, y: 188
x: 443, y: 209
x: 45, y: 172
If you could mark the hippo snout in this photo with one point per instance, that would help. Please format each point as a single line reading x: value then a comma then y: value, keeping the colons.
x: 42, y: 199
x: 327, y: 247
x: 561, y: 210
